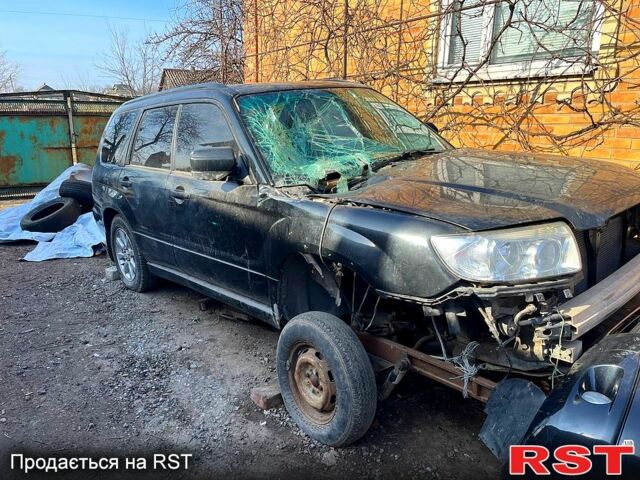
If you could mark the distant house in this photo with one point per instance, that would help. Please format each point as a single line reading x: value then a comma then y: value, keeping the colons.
x: 178, y: 77
x: 44, y: 88
x: 45, y: 92
x: 120, y: 90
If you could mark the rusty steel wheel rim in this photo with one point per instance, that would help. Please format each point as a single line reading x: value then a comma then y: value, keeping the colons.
x: 313, y: 384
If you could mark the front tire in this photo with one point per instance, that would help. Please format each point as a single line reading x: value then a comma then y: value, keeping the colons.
x: 326, y: 379
x: 130, y: 263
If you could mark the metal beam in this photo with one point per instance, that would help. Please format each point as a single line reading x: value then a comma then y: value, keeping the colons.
x: 72, y: 133
x: 595, y: 305
x: 479, y: 388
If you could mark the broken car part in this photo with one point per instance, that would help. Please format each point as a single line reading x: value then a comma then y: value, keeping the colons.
x: 596, y: 404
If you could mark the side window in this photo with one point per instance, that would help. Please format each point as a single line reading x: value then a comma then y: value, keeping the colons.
x: 114, y: 139
x: 152, y: 147
x: 200, y: 125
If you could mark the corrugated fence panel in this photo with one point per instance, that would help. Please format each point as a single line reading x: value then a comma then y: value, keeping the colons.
x: 33, y: 150
x: 35, y: 145
x: 88, y: 130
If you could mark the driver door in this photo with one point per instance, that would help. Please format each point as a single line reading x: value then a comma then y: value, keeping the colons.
x: 218, y: 231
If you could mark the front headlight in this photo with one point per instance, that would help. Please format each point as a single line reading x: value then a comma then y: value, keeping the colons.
x: 514, y: 254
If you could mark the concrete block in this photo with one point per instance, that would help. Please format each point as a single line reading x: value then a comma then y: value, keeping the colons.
x: 111, y: 273
x: 267, y: 396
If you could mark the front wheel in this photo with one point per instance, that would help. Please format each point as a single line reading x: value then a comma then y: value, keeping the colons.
x: 326, y: 379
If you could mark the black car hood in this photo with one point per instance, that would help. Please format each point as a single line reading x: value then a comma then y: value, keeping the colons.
x: 480, y: 189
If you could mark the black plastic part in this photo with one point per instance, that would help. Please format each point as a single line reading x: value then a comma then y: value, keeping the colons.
x: 510, y: 411
x: 598, y: 403
x: 213, y: 159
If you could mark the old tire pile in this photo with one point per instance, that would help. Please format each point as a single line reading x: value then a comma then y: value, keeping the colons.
x: 78, y: 190
x: 57, y: 214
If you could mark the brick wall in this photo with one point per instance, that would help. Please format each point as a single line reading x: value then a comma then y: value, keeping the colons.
x: 393, y: 46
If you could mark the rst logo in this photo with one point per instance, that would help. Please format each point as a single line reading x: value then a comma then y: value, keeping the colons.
x: 567, y: 459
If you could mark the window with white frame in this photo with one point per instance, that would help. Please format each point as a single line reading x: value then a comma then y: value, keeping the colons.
x: 496, y: 40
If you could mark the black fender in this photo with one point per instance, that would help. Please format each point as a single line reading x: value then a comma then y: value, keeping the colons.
x: 389, y: 250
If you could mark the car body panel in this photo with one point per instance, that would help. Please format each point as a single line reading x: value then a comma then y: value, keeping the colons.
x: 481, y: 190
x: 397, y: 244
x: 219, y: 233
x: 146, y: 200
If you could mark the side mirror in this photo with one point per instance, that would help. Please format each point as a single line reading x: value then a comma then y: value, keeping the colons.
x: 432, y: 126
x: 213, y: 163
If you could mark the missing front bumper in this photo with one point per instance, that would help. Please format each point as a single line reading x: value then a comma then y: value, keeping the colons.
x: 592, y: 307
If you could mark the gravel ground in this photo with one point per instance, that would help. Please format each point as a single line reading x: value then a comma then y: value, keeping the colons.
x: 88, y: 367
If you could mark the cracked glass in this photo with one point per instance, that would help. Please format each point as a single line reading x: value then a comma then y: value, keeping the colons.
x: 307, y: 136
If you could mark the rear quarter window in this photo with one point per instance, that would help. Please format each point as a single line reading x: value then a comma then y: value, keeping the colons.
x: 116, y: 134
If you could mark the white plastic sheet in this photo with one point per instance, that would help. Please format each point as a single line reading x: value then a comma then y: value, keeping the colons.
x: 76, y: 240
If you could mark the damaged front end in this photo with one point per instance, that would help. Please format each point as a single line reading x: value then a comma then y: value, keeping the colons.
x: 473, y: 334
x: 462, y: 265
x: 535, y: 333
x: 536, y: 327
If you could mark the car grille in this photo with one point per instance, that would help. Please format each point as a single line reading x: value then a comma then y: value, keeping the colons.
x: 609, y: 256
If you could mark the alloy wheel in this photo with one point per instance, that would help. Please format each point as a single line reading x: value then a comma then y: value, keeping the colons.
x: 125, y: 256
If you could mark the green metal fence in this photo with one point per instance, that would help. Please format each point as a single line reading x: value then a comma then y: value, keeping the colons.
x: 42, y: 133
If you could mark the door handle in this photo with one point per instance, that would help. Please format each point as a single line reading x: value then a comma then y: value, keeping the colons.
x: 180, y: 194
x: 125, y: 182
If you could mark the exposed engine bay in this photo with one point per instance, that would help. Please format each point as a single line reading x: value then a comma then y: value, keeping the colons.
x: 517, y: 328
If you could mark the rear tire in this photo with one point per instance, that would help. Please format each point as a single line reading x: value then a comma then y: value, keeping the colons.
x: 130, y: 263
x: 51, y: 216
x: 326, y: 379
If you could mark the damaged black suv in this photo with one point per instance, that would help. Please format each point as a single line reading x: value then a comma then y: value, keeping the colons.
x: 330, y: 212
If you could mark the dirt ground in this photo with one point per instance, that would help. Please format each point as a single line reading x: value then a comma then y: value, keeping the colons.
x: 87, y: 366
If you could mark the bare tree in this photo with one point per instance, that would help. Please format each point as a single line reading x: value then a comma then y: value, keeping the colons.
x: 136, y: 64
x: 9, y: 72
x: 80, y: 81
x: 207, y: 34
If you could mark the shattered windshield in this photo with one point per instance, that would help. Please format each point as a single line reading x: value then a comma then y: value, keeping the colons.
x: 309, y: 135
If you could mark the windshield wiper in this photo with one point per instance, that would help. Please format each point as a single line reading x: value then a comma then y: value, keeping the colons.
x: 364, y: 175
x: 403, y: 156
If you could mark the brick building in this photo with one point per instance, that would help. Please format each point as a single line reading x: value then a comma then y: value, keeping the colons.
x: 557, y: 76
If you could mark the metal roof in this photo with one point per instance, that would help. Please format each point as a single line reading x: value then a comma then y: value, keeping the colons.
x: 52, y: 102
x: 178, y: 77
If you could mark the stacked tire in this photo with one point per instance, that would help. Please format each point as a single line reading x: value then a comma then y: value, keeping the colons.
x: 57, y: 214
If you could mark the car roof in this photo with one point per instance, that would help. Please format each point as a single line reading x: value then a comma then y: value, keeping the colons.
x: 219, y: 90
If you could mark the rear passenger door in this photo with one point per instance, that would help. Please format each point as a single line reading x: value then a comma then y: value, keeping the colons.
x: 218, y: 234
x: 143, y: 183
